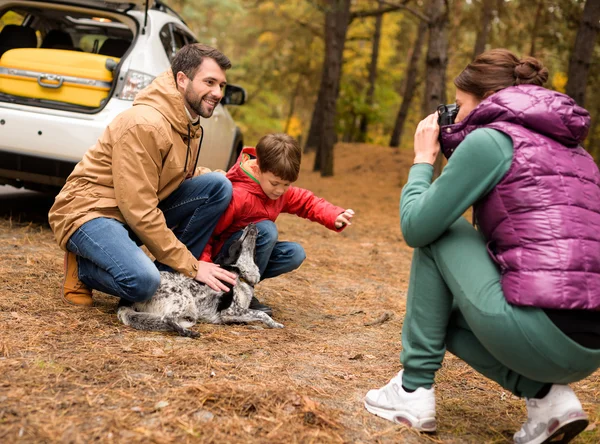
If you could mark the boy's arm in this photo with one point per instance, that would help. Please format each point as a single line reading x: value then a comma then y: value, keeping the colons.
x: 305, y: 204
x: 207, y: 253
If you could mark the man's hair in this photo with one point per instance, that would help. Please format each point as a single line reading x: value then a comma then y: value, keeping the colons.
x: 497, y: 69
x: 189, y: 58
x: 279, y: 154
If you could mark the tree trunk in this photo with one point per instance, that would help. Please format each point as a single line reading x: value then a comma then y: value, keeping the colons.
x: 536, y: 26
x: 410, y: 85
x: 437, y: 60
x: 364, y: 119
x: 487, y: 12
x: 579, y: 64
x: 316, y: 122
x: 337, y: 19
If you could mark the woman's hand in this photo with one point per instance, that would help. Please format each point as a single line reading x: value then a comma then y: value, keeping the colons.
x: 427, y: 145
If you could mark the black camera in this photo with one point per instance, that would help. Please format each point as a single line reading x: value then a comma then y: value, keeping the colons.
x: 447, y: 114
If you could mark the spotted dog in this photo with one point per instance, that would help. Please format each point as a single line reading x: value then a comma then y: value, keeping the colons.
x: 180, y: 302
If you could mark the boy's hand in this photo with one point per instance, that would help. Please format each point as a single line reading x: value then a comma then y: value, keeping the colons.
x: 344, y: 218
x: 212, y: 275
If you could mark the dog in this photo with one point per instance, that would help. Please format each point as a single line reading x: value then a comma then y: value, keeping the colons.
x: 180, y: 302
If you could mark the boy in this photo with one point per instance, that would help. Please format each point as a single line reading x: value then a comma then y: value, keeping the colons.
x: 262, y: 188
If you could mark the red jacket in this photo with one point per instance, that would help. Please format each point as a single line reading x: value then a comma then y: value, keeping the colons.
x: 249, y: 204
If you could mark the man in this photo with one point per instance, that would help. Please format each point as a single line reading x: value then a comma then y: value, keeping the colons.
x: 139, y: 185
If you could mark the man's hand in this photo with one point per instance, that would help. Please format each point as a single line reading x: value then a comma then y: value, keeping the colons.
x: 344, y: 218
x: 212, y: 275
x: 427, y: 145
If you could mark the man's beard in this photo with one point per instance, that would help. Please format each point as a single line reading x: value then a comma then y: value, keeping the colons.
x: 195, y: 102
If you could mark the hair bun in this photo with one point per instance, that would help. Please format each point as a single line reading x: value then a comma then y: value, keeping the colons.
x: 530, y: 71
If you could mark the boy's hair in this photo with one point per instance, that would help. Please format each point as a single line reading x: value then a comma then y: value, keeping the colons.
x: 189, y: 58
x: 279, y: 154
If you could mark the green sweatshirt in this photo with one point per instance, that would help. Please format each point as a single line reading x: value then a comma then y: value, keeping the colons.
x: 428, y: 209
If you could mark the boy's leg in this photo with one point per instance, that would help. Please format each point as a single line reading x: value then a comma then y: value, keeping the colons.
x: 110, y: 261
x: 193, y: 210
x: 455, y: 300
x: 272, y: 257
x: 265, y: 243
x: 286, y: 257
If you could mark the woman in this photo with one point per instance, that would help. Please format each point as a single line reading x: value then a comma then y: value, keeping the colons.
x: 518, y: 298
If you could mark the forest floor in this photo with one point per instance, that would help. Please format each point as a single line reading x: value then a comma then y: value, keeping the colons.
x: 77, y: 375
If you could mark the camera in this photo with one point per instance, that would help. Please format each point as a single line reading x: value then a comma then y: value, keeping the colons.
x: 447, y: 114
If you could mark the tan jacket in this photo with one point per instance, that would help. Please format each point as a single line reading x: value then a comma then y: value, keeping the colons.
x: 137, y: 162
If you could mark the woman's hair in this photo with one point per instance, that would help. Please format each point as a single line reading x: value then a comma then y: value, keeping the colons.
x: 498, y: 69
x: 279, y: 154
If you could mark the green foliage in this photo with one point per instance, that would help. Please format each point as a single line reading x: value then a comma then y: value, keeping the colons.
x: 277, y: 51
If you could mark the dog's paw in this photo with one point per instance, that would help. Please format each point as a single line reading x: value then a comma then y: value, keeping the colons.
x: 277, y: 325
x: 189, y: 334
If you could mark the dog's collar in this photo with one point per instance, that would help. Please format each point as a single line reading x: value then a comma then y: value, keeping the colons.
x: 246, y: 282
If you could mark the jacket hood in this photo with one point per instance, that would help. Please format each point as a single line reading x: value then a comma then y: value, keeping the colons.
x: 543, y: 111
x: 237, y: 175
x: 162, y: 95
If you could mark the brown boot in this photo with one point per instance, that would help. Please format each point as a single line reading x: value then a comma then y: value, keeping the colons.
x: 74, y: 291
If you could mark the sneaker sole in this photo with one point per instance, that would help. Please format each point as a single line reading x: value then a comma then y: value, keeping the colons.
x: 568, y: 430
x: 427, y: 425
x: 562, y: 430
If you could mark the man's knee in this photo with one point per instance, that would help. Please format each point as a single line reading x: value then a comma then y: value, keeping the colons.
x: 219, y: 185
x: 142, y: 285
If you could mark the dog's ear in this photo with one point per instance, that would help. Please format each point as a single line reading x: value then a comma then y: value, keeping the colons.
x: 232, y: 255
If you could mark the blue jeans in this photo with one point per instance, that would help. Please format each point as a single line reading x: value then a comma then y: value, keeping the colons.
x: 109, y: 256
x: 272, y: 257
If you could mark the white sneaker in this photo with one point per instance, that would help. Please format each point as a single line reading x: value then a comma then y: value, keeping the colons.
x: 416, y: 409
x: 556, y: 418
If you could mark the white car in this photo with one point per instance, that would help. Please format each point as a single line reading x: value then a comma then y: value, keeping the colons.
x: 41, y: 140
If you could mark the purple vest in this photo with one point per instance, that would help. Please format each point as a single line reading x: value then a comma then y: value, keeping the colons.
x: 542, y: 220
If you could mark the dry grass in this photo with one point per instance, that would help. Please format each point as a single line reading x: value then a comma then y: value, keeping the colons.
x: 78, y: 375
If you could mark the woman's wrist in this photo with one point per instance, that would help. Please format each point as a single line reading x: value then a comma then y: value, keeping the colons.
x: 424, y: 159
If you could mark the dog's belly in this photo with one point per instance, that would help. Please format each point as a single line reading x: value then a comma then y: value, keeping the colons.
x: 172, y: 298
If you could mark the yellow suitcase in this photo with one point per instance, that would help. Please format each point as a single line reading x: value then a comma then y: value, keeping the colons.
x: 75, y: 77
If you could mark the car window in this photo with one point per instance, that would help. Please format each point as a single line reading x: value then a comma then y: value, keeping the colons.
x: 91, y: 42
x: 182, y: 35
x: 166, y: 38
x: 190, y: 39
x: 173, y: 39
x: 179, y: 39
x: 11, y: 18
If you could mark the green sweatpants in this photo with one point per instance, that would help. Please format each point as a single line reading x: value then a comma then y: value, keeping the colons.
x: 455, y: 302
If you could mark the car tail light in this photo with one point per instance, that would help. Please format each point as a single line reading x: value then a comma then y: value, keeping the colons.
x: 134, y: 82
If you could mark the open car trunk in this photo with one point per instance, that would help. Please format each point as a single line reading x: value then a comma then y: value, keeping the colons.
x: 63, y: 56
